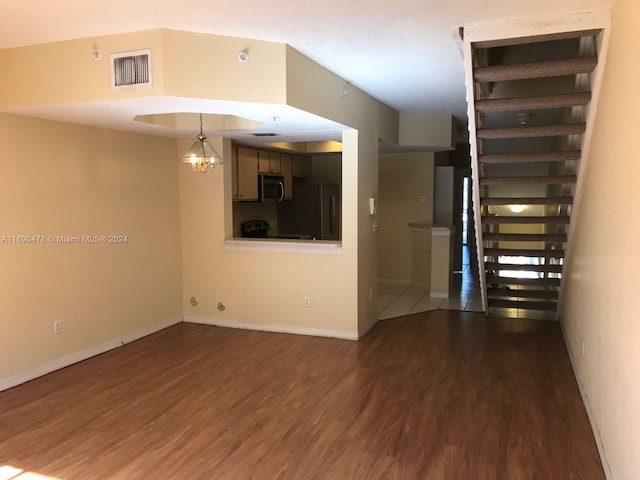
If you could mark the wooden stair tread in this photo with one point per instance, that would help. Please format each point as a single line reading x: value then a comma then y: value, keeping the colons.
x: 512, y: 104
x: 526, y: 237
x: 531, y: 131
x: 529, y: 157
x: 507, y: 219
x: 507, y: 292
x: 523, y: 305
x: 523, y: 252
x: 529, y: 180
x: 538, y: 282
x: 524, y: 268
x: 548, y: 68
x: 526, y: 201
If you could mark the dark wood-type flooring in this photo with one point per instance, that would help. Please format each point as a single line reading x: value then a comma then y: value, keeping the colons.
x: 439, y: 395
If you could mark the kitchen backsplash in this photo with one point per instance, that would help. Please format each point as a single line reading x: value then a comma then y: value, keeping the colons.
x: 243, y: 211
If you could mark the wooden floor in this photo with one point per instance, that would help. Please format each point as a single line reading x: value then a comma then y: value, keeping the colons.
x: 439, y: 395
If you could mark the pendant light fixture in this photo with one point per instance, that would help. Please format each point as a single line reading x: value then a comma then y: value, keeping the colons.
x: 202, y: 156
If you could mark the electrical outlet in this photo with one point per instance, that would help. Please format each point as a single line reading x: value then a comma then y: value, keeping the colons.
x: 423, y: 199
x: 307, y: 301
x: 57, y: 327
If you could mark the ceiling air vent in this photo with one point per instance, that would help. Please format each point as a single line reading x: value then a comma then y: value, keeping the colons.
x: 131, y: 69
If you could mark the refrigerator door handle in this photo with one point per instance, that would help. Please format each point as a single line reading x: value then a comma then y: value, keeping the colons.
x: 332, y: 214
x: 281, y: 187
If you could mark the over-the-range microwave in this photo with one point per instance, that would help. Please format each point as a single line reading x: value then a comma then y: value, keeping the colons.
x: 271, y: 188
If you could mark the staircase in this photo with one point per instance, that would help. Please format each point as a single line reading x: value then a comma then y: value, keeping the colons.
x: 530, y: 103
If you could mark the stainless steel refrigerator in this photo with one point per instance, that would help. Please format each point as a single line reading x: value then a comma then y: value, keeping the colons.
x: 314, y: 211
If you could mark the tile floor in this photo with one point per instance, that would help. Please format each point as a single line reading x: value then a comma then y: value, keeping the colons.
x: 395, y: 300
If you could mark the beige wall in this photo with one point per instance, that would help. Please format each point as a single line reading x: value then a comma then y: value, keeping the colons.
x: 62, y: 72
x: 601, y: 309
x: 266, y: 288
x: 177, y: 222
x: 327, y: 99
x: 207, y: 66
x: 245, y: 211
x: 367, y: 175
x: 315, y: 89
x: 262, y: 288
x: 63, y: 179
x: 403, y: 179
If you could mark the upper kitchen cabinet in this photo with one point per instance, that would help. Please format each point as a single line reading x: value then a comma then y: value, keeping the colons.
x: 301, y: 166
x: 286, y: 167
x: 247, y: 174
x: 269, y: 162
x: 234, y: 173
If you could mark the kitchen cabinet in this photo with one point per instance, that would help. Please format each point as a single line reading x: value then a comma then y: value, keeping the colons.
x: 286, y: 169
x: 301, y: 166
x: 269, y: 162
x: 234, y: 173
x: 247, y: 174
x: 249, y: 162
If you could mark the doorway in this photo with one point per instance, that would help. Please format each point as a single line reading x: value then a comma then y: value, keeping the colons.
x: 465, y: 212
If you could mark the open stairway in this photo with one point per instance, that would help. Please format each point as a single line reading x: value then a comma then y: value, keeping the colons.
x: 531, y: 98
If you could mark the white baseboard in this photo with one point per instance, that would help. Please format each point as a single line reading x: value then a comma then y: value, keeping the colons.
x: 268, y: 327
x: 67, y: 360
x: 587, y: 406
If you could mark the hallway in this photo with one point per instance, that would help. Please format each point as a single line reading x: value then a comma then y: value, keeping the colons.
x: 397, y: 300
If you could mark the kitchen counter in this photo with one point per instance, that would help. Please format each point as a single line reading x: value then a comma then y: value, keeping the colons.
x: 292, y: 236
x: 284, y: 245
x: 438, y: 265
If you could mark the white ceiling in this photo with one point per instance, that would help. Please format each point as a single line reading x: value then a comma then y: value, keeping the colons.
x: 402, y: 52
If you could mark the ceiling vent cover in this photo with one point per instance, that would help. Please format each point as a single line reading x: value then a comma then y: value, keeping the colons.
x: 131, y: 69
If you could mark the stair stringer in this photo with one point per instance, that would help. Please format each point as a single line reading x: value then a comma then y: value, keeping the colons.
x: 475, y: 166
x: 520, y: 28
